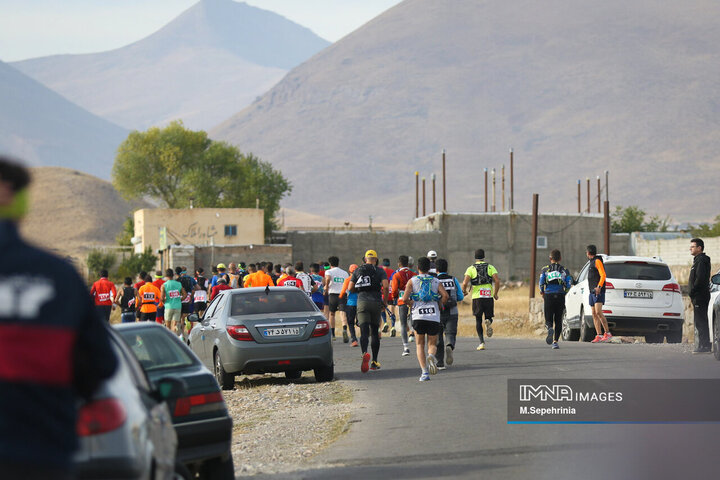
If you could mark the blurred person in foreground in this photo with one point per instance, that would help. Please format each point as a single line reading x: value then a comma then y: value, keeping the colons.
x: 54, y: 349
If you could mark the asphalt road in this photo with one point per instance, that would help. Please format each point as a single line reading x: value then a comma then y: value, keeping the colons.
x: 455, y: 426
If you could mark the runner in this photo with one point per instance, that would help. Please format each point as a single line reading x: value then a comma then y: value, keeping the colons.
x: 448, y: 314
x: 371, y: 284
x: 148, y: 298
x: 189, y: 285
x: 158, y: 282
x: 309, y: 284
x: 596, y: 285
x: 317, y: 296
x: 247, y: 281
x: 291, y: 280
x: 126, y: 299
x: 221, y: 272
x: 388, y: 273
x: 399, y: 280
x: 432, y: 256
x: 222, y: 285
x: 485, y: 285
x: 172, y: 293
x: 334, y: 279
x: 233, y: 276
x: 141, y: 281
x: 200, y: 296
x: 555, y: 281
x: 426, y: 294
x: 350, y: 306
x: 103, y: 292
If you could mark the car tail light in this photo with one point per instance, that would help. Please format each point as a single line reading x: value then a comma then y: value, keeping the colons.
x: 186, y: 405
x: 672, y: 314
x: 671, y: 287
x: 322, y: 327
x: 239, y: 332
x: 100, y: 416
x: 607, y: 311
x: 609, y: 285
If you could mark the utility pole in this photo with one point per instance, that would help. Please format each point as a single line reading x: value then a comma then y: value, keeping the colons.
x: 486, y: 193
x: 512, y: 183
x: 598, y: 186
x: 417, y: 195
x: 503, y: 188
x: 579, y: 197
x: 533, y: 251
x: 444, y: 191
x: 423, y: 183
x: 433, y: 186
x: 493, y: 189
x: 588, y: 194
x: 607, y: 228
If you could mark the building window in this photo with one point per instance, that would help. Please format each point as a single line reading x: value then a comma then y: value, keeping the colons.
x: 230, y: 230
x: 541, y: 242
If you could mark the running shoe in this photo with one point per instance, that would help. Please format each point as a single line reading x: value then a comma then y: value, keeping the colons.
x: 346, y: 337
x: 385, y: 327
x: 406, y: 352
x: 354, y: 343
x: 393, y: 332
x: 555, y: 346
x: 597, y: 339
x: 365, y: 365
x: 374, y: 365
x: 432, y: 364
x: 449, y: 355
x: 607, y: 337
x: 549, y: 338
x: 488, y: 327
x: 481, y: 347
x: 425, y: 377
x: 441, y: 367
x: 411, y: 337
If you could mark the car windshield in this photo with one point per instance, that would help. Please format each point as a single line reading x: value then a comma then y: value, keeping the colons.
x: 155, y: 349
x: 637, y: 271
x: 275, y: 301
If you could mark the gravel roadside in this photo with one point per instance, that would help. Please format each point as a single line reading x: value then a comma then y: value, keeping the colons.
x: 279, y: 424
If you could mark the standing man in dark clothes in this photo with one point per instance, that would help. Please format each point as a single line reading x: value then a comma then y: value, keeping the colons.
x: 54, y: 348
x: 700, y: 294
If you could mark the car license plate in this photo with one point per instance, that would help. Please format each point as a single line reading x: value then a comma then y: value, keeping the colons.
x: 638, y: 294
x: 282, y: 332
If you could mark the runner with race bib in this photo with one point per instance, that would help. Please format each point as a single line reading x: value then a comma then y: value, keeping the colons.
x: 485, y: 283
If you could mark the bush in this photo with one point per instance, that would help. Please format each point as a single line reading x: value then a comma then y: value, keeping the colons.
x: 135, y: 263
x: 99, y: 260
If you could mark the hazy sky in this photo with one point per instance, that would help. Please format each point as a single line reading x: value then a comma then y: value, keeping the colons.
x: 34, y: 28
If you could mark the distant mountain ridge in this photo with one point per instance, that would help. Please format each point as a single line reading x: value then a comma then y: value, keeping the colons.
x: 577, y: 87
x: 41, y: 127
x: 209, y: 62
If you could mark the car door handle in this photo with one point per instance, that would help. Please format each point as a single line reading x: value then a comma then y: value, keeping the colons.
x: 212, y: 325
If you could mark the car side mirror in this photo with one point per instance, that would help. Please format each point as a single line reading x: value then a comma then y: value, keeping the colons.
x: 715, y: 279
x: 193, y: 317
x: 169, y: 387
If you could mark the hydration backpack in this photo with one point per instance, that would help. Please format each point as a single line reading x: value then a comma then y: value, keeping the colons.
x: 425, y: 292
x: 554, y: 273
x: 482, y: 277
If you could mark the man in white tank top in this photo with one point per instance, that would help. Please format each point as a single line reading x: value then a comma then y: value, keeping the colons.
x: 426, y: 315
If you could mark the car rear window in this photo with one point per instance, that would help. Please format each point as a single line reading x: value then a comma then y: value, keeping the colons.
x: 637, y: 271
x: 155, y: 349
x: 274, y: 301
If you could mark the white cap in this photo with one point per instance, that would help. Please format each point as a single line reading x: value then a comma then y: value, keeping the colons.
x: 432, y: 254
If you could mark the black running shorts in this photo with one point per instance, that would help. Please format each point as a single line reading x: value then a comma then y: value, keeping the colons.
x: 426, y: 327
x: 483, y: 306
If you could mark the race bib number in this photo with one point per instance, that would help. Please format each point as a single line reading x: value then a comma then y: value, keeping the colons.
x: 448, y: 284
x: 485, y: 293
x: 552, y: 276
x: 103, y: 297
x: 149, y: 297
x: 338, y: 280
x: 200, y: 296
x: 290, y: 283
x: 174, y: 294
x: 426, y: 311
x: 363, y: 281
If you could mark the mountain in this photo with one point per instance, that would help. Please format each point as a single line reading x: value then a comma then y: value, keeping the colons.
x: 577, y: 87
x: 42, y: 128
x: 209, y: 62
x: 62, y: 220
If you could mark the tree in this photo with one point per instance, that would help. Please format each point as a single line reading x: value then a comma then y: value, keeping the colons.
x: 127, y: 233
x: 632, y: 219
x: 174, y: 165
x: 97, y: 260
x: 707, y: 230
x: 136, y: 263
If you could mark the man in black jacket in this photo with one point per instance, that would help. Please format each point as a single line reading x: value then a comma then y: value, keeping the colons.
x: 700, y: 294
x: 54, y: 348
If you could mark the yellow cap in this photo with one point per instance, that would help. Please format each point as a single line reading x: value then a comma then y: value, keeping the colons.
x: 371, y: 253
x: 221, y: 265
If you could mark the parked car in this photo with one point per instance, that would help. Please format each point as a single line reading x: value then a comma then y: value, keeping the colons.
x: 125, y: 430
x: 200, y: 416
x: 263, y: 330
x: 642, y: 297
x: 714, y: 314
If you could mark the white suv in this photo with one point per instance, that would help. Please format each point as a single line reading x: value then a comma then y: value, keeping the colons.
x: 642, y: 297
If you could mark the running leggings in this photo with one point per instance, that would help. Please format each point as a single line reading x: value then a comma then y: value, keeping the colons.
x: 554, y: 307
x: 369, y: 330
x: 479, y: 326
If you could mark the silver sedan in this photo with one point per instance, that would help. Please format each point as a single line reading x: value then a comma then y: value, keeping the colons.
x: 263, y: 330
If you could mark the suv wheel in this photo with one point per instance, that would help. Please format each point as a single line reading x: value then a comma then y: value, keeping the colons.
x: 218, y: 468
x: 716, y: 339
x: 654, y: 338
x: 324, y: 374
x: 587, y: 332
x: 293, y: 374
x: 568, y: 334
x: 224, y: 379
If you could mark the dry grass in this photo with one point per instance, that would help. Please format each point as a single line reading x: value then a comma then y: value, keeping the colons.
x: 511, y: 314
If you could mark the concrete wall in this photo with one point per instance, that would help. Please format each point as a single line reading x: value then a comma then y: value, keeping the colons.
x: 193, y: 257
x: 455, y: 236
x: 676, y: 251
x: 198, y: 226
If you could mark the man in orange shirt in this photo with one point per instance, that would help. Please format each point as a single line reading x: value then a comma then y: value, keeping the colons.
x: 103, y: 292
x: 148, y: 300
x: 158, y: 282
x: 596, y: 286
x: 260, y: 279
x: 247, y: 281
